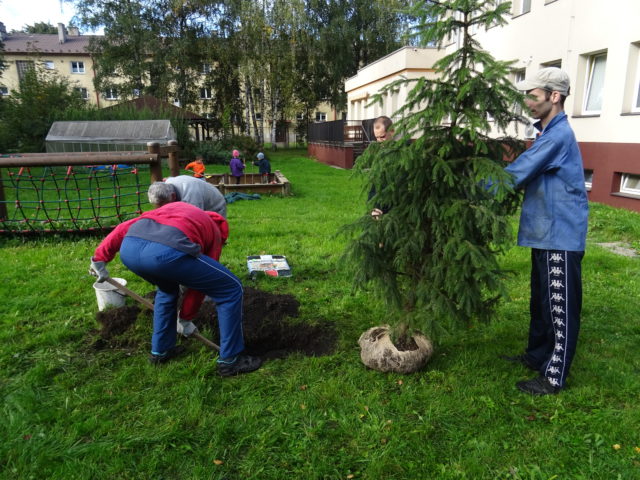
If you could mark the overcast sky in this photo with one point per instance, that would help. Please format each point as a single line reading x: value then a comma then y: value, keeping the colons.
x: 17, y: 13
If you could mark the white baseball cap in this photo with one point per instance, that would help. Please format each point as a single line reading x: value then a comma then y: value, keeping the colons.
x: 551, y: 78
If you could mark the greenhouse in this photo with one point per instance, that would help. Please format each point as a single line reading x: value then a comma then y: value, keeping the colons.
x: 107, y: 136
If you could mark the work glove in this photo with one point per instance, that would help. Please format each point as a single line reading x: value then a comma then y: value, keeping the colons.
x: 186, y: 327
x: 99, y: 269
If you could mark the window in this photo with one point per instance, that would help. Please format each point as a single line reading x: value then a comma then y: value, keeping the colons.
x: 300, y: 117
x: 205, y: 93
x: 596, y: 65
x: 23, y: 67
x: 321, y: 117
x: 4, y: 91
x: 111, y: 94
x: 205, y: 68
x: 258, y: 116
x: 588, y: 179
x: 524, y: 6
x: 630, y: 184
x: 553, y: 63
x: 77, y: 67
x: 83, y: 92
x: 635, y: 105
x: 48, y: 65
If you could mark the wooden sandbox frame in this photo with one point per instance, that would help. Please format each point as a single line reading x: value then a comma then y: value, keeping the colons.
x: 251, y: 183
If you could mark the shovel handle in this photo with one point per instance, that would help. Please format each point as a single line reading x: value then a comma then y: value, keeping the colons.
x: 206, y: 341
x: 149, y: 305
x: 133, y: 295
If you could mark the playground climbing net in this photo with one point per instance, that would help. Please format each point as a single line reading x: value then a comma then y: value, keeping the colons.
x: 71, y: 198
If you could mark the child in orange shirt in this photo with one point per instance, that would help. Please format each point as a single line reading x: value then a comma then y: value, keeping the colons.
x: 197, y: 166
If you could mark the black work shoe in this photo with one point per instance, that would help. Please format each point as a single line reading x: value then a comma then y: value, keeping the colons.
x: 537, y: 386
x: 521, y: 359
x: 241, y: 364
x: 155, y: 359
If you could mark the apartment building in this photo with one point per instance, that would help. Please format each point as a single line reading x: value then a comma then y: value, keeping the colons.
x: 597, y: 42
x: 64, y: 54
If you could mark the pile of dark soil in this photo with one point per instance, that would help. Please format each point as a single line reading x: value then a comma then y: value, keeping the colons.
x: 113, y: 323
x: 268, y: 329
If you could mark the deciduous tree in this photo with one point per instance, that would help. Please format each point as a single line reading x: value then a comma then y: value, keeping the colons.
x: 27, y: 114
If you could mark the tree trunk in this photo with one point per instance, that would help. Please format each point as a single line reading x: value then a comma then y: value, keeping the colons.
x: 249, y: 110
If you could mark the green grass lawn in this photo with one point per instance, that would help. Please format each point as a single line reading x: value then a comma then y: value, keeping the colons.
x: 72, y: 412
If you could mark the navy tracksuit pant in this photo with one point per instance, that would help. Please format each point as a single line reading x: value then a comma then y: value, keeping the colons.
x: 556, y: 302
x: 168, y: 268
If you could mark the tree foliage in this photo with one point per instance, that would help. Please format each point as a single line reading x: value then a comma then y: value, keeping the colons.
x: 276, y: 57
x: 149, y: 46
x: 350, y: 34
x: 38, y: 27
x: 27, y: 114
x: 434, y: 255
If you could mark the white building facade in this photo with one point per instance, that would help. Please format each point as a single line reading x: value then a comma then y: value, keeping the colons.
x: 597, y: 42
x: 407, y: 62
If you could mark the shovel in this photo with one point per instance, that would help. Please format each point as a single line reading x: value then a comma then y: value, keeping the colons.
x: 149, y: 305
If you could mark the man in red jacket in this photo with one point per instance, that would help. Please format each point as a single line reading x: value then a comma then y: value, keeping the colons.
x: 179, y: 244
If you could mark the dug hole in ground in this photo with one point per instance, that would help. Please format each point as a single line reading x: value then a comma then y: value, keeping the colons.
x: 268, y: 329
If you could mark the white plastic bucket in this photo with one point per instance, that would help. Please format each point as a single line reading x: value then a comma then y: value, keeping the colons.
x: 108, y: 295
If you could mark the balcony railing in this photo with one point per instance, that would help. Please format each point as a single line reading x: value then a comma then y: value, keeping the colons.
x: 340, y: 132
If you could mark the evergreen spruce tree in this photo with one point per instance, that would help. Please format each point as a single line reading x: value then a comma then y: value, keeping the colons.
x: 435, y: 255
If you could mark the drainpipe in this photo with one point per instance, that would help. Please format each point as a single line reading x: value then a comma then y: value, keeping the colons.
x: 93, y: 69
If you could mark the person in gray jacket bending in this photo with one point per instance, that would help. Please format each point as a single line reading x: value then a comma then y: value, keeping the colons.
x: 185, y: 188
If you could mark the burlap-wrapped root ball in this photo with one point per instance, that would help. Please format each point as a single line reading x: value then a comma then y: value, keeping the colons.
x: 379, y: 353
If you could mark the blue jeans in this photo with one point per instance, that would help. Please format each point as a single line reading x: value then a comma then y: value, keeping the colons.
x: 168, y: 268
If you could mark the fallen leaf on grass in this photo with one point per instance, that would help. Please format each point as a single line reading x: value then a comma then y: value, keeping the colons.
x: 350, y: 476
x: 637, y: 449
x: 303, y: 387
x: 616, y: 446
x: 26, y: 437
x: 400, y: 382
x: 218, y: 462
x: 531, y: 417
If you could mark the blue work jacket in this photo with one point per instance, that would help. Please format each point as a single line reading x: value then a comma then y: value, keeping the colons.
x: 555, y: 208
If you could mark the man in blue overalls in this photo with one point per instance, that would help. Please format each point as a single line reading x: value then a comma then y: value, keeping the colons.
x: 553, y: 223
